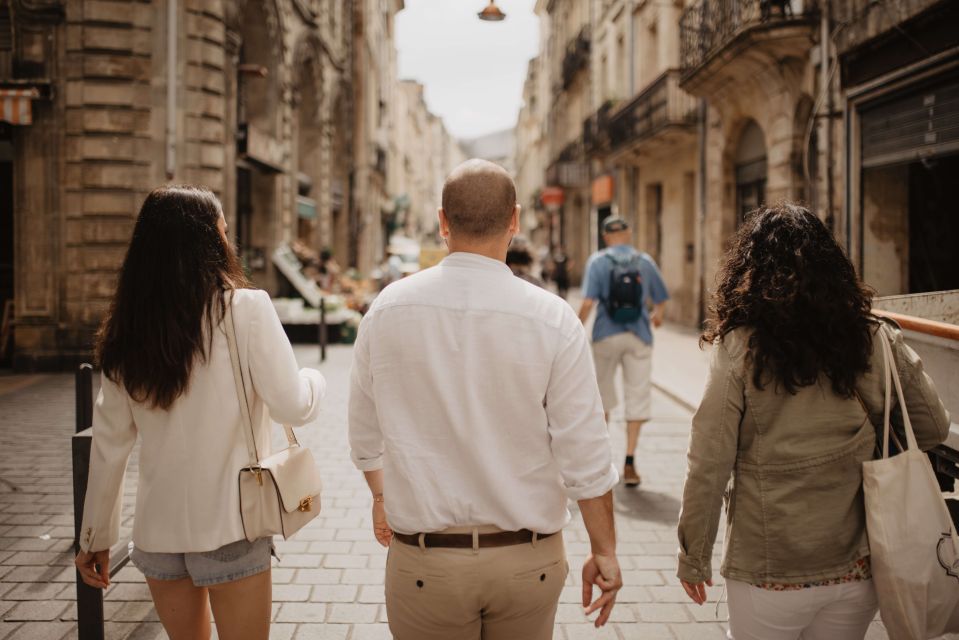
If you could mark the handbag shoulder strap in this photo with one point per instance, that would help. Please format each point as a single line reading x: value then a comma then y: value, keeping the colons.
x: 230, y: 328
x: 891, y: 377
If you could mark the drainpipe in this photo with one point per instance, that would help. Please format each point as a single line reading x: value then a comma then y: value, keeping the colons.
x: 702, y: 129
x: 632, y: 49
x: 171, y: 86
x: 826, y: 53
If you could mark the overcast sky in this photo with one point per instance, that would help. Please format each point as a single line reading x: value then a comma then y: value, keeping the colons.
x: 473, y: 70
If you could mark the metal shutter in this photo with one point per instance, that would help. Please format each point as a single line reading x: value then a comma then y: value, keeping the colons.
x: 918, y: 123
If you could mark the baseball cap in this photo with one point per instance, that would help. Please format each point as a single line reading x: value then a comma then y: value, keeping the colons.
x: 614, y: 224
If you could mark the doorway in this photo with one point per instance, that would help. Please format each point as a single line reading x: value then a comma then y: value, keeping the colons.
x: 654, y: 221
x: 750, y: 171
x: 6, y: 243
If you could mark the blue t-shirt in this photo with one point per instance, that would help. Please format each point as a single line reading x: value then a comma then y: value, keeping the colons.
x: 596, y: 287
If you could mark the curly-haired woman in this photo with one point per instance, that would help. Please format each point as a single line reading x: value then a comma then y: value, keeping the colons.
x: 785, y: 424
x: 168, y: 378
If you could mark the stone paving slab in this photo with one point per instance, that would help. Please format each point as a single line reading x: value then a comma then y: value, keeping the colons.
x: 329, y: 583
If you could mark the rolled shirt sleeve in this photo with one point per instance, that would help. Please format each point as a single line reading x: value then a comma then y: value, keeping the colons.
x: 579, y: 439
x: 653, y: 279
x: 366, y: 439
x: 114, y: 434
x: 592, y: 282
x: 293, y: 395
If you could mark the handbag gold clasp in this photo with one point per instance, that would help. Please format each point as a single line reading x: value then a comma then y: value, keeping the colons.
x: 258, y: 472
x: 306, y: 504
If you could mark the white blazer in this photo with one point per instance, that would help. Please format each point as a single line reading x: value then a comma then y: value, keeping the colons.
x: 187, y: 493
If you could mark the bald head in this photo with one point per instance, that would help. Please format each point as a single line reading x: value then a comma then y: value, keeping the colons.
x: 479, y: 198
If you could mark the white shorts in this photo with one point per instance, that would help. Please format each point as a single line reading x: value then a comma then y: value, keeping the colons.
x: 636, y: 358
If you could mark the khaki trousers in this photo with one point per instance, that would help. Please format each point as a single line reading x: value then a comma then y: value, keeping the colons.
x: 499, y: 593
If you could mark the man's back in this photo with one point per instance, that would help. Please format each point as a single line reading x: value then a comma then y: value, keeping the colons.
x: 479, y: 380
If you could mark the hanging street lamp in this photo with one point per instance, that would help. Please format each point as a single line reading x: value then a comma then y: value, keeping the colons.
x: 491, y: 13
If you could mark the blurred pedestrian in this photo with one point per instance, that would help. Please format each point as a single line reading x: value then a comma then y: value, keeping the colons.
x: 559, y: 266
x: 168, y: 377
x: 474, y: 414
x: 622, y: 284
x: 794, y: 389
x: 519, y: 259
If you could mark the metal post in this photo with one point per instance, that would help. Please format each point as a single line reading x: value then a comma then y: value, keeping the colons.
x: 84, y: 397
x: 89, y: 599
x: 323, y: 337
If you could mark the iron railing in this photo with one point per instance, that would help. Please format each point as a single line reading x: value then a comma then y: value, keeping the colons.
x: 577, y: 56
x: 663, y: 103
x: 596, y: 130
x: 709, y: 25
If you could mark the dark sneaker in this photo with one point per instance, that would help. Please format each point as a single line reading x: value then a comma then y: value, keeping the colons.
x: 630, y: 477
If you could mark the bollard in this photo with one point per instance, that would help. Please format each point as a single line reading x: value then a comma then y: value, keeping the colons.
x: 89, y: 600
x: 322, y: 330
x: 84, y: 397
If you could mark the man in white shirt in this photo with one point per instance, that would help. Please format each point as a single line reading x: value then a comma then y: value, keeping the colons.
x: 475, y: 414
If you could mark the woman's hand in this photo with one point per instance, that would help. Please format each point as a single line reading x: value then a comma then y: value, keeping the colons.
x: 696, y: 591
x: 94, y: 568
x: 381, y: 529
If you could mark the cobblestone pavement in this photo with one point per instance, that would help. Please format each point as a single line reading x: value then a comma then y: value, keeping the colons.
x: 329, y: 583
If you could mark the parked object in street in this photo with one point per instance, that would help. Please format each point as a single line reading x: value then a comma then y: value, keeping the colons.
x: 622, y: 283
x: 794, y: 391
x: 167, y: 377
x: 474, y: 415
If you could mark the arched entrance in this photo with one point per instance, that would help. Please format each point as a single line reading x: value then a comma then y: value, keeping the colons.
x: 310, y: 170
x: 259, y: 155
x: 750, y: 170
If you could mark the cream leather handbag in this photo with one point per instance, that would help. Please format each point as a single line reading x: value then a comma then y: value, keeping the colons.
x: 281, y: 493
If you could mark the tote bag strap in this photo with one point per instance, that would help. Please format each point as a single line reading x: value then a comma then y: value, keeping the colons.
x: 891, y: 371
x: 229, y: 323
x: 890, y: 364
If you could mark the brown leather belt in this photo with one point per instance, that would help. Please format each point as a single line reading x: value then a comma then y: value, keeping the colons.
x: 465, y: 540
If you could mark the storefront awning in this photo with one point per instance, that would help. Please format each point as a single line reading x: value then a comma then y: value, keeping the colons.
x: 16, y: 107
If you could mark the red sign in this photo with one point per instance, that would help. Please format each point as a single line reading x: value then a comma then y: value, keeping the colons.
x: 553, y: 197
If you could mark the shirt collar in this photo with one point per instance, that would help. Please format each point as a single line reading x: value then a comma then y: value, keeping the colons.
x: 463, y: 259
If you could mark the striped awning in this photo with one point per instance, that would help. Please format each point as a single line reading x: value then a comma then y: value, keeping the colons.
x: 15, y: 105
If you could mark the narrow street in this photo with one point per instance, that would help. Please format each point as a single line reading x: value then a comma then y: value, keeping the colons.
x: 329, y: 582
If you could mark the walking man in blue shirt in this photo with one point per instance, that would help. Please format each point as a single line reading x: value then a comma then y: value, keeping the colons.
x: 626, y: 283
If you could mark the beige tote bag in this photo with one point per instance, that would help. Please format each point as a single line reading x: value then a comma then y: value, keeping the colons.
x: 914, y: 546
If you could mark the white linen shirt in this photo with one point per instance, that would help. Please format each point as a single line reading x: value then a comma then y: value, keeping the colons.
x: 475, y: 392
x: 187, y: 491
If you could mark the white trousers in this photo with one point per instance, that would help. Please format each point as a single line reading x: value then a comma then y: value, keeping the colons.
x: 835, y: 612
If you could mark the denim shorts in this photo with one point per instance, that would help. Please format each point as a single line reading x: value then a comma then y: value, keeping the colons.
x: 230, y: 562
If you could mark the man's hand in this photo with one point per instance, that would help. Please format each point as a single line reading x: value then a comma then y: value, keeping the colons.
x: 602, y: 571
x: 659, y: 312
x: 381, y: 529
x: 696, y: 591
x: 94, y: 568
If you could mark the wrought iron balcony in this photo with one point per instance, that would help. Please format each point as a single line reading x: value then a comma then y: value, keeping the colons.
x: 707, y: 27
x: 577, y: 56
x: 663, y: 104
x: 596, y: 130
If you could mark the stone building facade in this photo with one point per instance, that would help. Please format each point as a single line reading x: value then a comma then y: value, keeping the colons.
x: 702, y: 110
x: 425, y: 153
x: 259, y: 100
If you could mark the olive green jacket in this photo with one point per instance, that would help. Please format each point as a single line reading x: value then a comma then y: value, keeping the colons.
x: 789, y: 466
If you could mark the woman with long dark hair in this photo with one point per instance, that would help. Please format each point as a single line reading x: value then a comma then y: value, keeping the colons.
x: 794, y: 389
x: 167, y: 377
